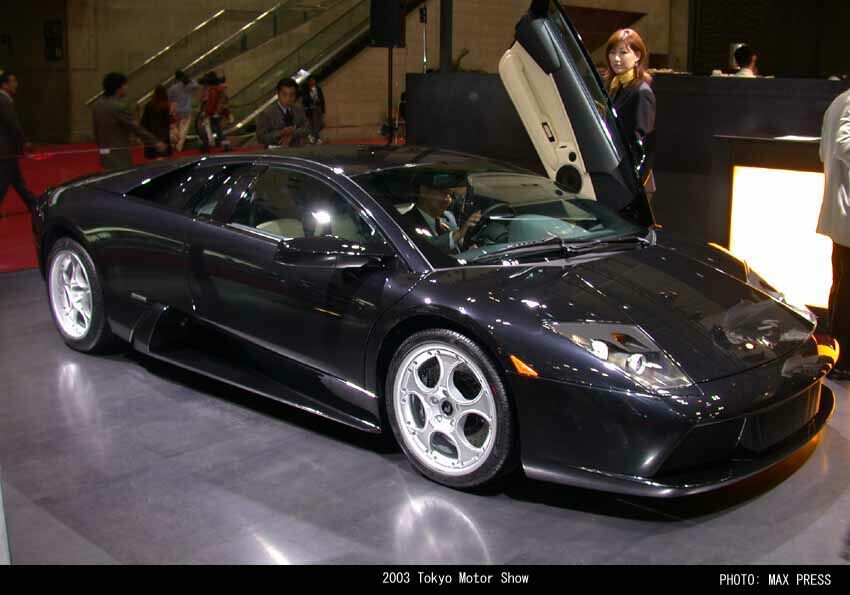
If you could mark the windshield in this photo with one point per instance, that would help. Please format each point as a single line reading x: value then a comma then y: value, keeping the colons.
x: 461, y: 214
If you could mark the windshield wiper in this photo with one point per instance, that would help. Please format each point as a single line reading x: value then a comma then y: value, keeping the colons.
x: 583, y: 247
x: 528, y: 248
x: 566, y: 248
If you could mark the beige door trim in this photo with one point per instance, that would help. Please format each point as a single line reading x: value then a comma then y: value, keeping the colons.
x: 541, y: 109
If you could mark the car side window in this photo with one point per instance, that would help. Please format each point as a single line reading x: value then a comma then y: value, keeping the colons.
x: 293, y: 205
x: 219, y: 184
x: 183, y: 186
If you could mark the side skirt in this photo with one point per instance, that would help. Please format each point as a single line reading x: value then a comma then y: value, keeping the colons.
x: 171, y: 336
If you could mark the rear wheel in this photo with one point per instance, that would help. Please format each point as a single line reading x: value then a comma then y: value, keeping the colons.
x: 76, y: 298
x: 449, y: 410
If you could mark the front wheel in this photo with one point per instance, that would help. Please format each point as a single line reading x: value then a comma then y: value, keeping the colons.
x: 449, y: 410
x: 76, y: 298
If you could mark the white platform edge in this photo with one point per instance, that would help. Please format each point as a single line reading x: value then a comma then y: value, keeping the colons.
x: 5, y: 558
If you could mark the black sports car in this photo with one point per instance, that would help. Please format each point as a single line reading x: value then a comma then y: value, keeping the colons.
x: 490, y: 316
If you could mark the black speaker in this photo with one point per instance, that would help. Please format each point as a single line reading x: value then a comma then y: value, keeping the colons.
x: 388, y: 19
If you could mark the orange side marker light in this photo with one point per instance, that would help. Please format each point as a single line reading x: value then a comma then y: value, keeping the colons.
x: 522, y: 368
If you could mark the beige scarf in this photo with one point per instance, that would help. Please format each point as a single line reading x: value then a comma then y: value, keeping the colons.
x: 621, y: 80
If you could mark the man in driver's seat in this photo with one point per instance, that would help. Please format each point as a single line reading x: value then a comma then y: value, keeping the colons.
x: 431, y: 217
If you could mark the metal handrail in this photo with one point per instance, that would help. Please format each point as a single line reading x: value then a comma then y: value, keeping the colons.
x: 300, y: 77
x: 303, y: 44
x: 217, y: 47
x: 205, y: 23
x: 279, y: 6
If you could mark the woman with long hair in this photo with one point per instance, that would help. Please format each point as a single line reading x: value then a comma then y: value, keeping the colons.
x: 632, y: 96
x: 157, y: 119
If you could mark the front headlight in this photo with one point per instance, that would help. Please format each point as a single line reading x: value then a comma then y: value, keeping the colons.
x: 629, y: 350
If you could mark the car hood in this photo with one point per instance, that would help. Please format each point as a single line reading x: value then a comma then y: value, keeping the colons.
x: 712, y: 324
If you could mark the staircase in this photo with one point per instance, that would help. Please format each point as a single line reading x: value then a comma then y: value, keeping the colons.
x: 317, y: 48
x: 217, y: 40
x: 255, y: 50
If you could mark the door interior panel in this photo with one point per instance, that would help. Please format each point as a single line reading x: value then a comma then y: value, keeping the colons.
x: 562, y: 102
x: 542, y: 111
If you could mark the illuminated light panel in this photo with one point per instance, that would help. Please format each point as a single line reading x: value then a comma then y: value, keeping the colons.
x: 774, y: 221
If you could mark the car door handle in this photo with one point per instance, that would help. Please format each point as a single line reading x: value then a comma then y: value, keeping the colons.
x: 548, y: 131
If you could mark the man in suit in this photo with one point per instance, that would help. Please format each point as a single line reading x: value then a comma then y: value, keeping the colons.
x: 835, y: 222
x: 283, y: 123
x: 431, y: 218
x: 12, y: 142
x: 113, y: 125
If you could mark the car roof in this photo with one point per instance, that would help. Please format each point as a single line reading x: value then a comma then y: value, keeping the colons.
x: 352, y: 160
x: 355, y: 160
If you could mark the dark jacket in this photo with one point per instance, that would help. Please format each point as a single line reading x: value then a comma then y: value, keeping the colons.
x: 635, y: 105
x: 12, y: 139
x: 271, y: 122
x: 113, y: 126
x: 307, y: 99
x: 442, y: 240
x: 158, y: 121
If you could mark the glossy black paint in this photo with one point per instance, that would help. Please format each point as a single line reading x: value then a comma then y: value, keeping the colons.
x: 232, y: 303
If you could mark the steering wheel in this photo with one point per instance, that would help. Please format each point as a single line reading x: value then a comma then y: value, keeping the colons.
x: 500, y: 209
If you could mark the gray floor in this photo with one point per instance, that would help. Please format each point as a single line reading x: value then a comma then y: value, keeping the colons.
x: 123, y: 460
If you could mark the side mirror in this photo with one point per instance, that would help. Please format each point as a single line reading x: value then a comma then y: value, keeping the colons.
x: 330, y: 252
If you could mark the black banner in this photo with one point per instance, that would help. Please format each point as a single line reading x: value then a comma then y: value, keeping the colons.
x: 655, y: 579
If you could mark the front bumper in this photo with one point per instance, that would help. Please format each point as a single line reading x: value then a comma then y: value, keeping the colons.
x: 720, y: 433
x: 688, y: 483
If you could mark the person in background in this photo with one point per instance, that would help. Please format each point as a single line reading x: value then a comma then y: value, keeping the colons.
x: 835, y: 222
x: 13, y: 143
x: 157, y: 119
x: 402, y: 107
x: 313, y: 99
x: 283, y: 123
x: 747, y: 61
x: 181, y: 94
x: 113, y: 126
x: 633, y: 98
x: 216, y: 103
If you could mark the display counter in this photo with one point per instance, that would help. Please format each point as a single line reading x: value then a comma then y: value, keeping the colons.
x: 693, y: 110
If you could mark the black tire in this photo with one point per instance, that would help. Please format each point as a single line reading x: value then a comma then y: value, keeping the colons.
x: 502, y: 458
x: 98, y: 337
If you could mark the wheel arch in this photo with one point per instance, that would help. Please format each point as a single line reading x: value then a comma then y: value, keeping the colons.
x: 56, y: 231
x: 420, y: 321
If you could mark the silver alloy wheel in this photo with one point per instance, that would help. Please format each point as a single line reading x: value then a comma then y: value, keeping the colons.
x: 70, y: 294
x: 445, y: 409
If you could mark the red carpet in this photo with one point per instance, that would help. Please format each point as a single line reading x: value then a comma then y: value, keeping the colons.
x: 49, y: 166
